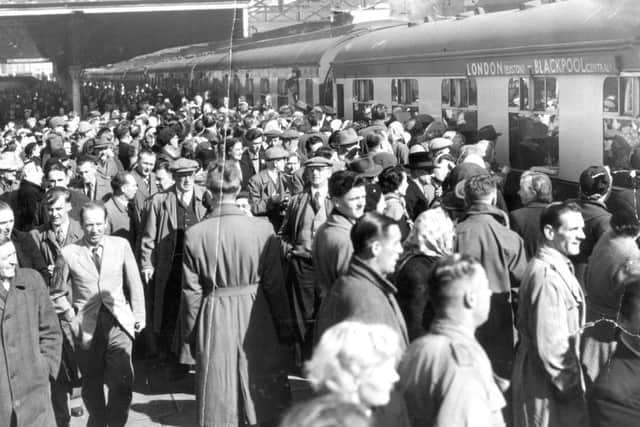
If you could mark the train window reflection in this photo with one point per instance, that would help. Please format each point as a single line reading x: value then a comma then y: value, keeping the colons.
x: 459, y: 104
x: 265, y: 91
x: 362, y: 97
x: 283, y: 96
x: 533, y: 130
x: 308, y: 91
x: 621, y: 128
x: 404, y: 92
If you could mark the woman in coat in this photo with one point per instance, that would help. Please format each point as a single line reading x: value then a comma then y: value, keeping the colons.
x: 430, y: 239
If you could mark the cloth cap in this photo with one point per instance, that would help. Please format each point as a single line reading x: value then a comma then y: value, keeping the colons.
x: 275, y: 153
x: 84, y: 127
x: 318, y: 161
x: 10, y: 162
x: 184, y: 166
x: 57, y: 121
x: 290, y: 134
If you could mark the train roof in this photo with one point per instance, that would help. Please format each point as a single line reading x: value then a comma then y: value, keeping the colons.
x: 573, y: 26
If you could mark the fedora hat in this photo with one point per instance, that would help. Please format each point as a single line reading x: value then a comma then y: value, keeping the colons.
x: 487, y: 132
x: 365, y: 167
x: 420, y: 160
x: 348, y: 137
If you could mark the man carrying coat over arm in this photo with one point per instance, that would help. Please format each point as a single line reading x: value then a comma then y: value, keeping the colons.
x: 234, y: 309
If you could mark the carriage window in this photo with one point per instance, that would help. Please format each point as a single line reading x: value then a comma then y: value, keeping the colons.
x: 264, y: 91
x: 460, y: 104
x: 621, y: 127
x: 362, y: 98
x: 283, y: 96
x: 248, y: 90
x: 533, y: 125
x: 308, y: 91
x: 404, y: 94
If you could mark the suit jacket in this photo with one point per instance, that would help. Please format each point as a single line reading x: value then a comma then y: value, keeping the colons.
x: 101, y: 191
x: 144, y: 192
x: 29, y: 351
x: 79, y: 286
x: 261, y: 190
x: 47, y: 245
x: 293, y: 217
x: 121, y: 221
x: 247, y: 168
x: 158, y: 243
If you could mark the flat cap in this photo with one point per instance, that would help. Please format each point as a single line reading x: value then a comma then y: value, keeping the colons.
x: 318, y: 161
x: 275, y: 153
x: 183, y: 166
x: 57, y: 121
x: 290, y: 134
x: 272, y: 133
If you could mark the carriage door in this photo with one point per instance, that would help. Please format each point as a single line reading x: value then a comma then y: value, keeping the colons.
x: 340, y: 95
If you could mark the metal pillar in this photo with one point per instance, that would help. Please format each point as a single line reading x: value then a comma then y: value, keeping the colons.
x: 75, y: 72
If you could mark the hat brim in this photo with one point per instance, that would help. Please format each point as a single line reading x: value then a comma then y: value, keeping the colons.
x: 421, y: 165
x: 350, y: 142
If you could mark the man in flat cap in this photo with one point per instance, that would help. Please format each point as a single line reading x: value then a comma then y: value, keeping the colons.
x: 252, y: 160
x: 268, y: 192
x: 170, y: 214
x: 304, y: 215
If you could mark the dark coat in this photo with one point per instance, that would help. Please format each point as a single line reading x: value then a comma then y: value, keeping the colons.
x: 484, y: 235
x: 411, y: 280
x: 46, y: 243
x: 247, y: 168
x: 293, y: 217
x: 158, y: 243
x: 416, y: 201
x: 27, y: 205
x: 331, y: 251
x: 28, y: 254
x: 596, y: 223
x: 365, y: 296
x: 526, y: 222
x: 614, y: 400
x: 30, y: 352
x: 234, y: 309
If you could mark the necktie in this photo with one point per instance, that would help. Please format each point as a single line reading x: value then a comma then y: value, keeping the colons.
x: 316, y: 202
x: 146, y: 181
x: 90, y: 191
x: 60, y: 236
x: 96, y: 256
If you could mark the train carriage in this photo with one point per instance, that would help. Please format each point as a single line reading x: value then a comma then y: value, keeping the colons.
x: 559, y: 81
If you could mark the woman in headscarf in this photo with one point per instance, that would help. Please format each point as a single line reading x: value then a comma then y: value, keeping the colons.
x: 430, y: 239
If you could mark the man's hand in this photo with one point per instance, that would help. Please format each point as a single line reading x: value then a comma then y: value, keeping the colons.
x: 50, y: 268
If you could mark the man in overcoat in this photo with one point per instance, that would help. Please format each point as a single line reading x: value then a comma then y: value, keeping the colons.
x: 332, y: 248
x: 304, y: 216
x: 484, y: 234
x: 30, y: 344
x: 169, y: 215
x: 363, y: 293
x: 234, y: 311
x: 548, y: 380
x: 50, y: 238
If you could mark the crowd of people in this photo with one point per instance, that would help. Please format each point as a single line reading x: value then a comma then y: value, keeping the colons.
x: 379, y: 259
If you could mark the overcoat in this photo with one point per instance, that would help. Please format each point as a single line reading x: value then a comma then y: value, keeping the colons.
x: 547, y: 381
x: 159, y: 243
x: 234, y: 310
x: 484, y: 235
x: 526, y: 222
x: 331, y: 251
x: 362, y: 295
x: 30, y: 352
